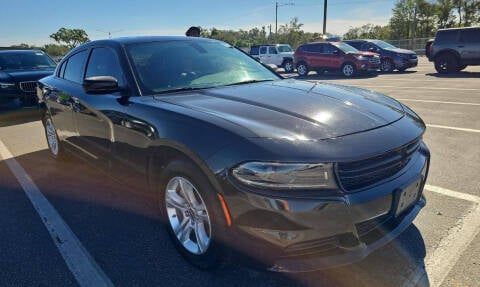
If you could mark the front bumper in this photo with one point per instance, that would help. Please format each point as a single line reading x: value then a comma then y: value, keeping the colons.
x: 307, y: 234
x: 406, y: 63
x: 368, y: 66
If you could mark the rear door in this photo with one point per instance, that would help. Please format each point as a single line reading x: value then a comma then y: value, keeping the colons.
x: 60, y: 92
x: 469, y: 46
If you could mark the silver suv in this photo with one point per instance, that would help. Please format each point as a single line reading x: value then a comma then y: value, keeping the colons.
x: 455, y: 49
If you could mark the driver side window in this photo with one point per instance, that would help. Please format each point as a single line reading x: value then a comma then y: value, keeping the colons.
x: 263, y: 50
x: 103, y: 62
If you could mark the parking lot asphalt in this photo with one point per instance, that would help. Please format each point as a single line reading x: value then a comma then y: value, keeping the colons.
x: 118, y: 227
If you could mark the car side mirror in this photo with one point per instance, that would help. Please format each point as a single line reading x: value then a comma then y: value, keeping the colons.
x: 336, y: 52
x: 372, y: 49
x: 100, y: 85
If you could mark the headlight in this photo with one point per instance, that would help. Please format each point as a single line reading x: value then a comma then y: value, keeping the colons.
x: 286, y: 175
x: 6, y: 85
x: 360, y: 57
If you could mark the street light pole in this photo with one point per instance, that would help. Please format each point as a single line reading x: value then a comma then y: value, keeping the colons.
x: 324, y: 17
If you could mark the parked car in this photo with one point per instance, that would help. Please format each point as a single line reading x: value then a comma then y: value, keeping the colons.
x: 455, y: 49
x: 19, y: 72
x: 391, y: 57
x: 297, y: 175
x: 280, y: 55
x: 428, y: 47
x: 321, y: 56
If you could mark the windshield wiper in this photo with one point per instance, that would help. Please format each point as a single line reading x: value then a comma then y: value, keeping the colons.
x: 249, y: 82
x: 181, y: 90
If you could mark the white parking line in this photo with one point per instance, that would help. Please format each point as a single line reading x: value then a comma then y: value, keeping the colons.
x: 453, y: 128
x: 79, y: 261
x: 440, y: 102
x: 420, y: 88
x: 441, y: 261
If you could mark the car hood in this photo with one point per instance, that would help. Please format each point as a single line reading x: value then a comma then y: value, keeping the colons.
x: 25, y: 75
x: 294, y: 110
x: 402, y: 51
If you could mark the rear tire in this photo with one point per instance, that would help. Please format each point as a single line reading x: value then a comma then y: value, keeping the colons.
x: 302, y: 69
x: 446, y: 64
x: 192, y: 214
x: 288, y: 66
x: 55, y: 146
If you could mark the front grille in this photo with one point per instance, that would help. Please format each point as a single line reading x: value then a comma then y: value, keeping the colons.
x: 359, y: 174
x: 28, y: 87
x: 374, y: 60
x: 366, y: 226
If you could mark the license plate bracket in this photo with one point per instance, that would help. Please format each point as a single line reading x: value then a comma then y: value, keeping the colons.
x: 408, y: 196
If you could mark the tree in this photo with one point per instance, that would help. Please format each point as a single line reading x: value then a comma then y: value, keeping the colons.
x: 55, y: 50
x: 70, y: 37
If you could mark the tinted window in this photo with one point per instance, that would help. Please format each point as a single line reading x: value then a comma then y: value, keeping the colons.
x: 263, y: 50
x: 329, y: 49
x: 272, y: 50
x: 75, y: 67
x: 254, y: 50
x: 316, y: 48
x: 355, y: 44
x: 169, y: 65
x: 103, y: 62
x: 471, y: 35
x: 446, y: 36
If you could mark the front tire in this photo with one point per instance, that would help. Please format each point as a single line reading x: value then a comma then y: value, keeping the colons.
x: 192, y: 214
x: 302, y: 69
x: 386, y: 66
x: 446, y: 64
x: 349, y: 70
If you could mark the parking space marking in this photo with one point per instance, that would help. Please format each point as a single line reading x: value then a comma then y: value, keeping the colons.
x: 453, y: 128
x: 421, y: 88
x: 441, y: 261
x: 79, y: 261
x: 440, y: 102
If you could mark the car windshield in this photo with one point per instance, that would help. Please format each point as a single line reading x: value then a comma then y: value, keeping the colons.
x: 25, y: 61
x: 189, y: 64
x: 384, y: 45
x: 345, y: 47
x: 284, y: 48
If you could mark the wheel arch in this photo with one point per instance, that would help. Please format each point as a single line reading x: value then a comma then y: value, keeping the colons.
x: 447, y: 52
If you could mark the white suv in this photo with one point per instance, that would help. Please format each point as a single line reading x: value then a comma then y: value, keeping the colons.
x: 280, y: 55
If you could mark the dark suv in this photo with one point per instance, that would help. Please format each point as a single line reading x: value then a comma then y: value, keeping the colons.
x: 454, y: 49
x: 391, y: 57
x: 321, y: 56
x: 19, y: 72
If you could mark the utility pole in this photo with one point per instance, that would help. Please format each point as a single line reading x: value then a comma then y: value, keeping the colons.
x: 276, y: 15
x: 324, y: 17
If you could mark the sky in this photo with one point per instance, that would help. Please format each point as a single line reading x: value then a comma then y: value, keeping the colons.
x: 32, y: 21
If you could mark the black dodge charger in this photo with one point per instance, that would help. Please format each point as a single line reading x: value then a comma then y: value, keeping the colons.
x: 296, y: 175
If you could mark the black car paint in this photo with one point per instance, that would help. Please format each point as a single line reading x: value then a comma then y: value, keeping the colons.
x: 15, y: 98
x: 134, y: 135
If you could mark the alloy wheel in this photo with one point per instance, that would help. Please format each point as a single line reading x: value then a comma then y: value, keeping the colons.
x: 52, y: 138
x: 386, y: 66
x: 188, y: 215
x: 348, y: 70
x: 288, y: 67
x: 302, y: 69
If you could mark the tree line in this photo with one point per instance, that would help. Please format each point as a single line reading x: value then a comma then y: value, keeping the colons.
x: 410, y: 19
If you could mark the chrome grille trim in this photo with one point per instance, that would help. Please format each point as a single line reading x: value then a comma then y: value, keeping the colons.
x: 28, y: 87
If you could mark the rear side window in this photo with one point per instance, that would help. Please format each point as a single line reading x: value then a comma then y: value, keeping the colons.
x: 103, y: 62
x: 470, y: 35
x: 254, y: 50
x: 357, y: 45
x: 446, y: 36
x: 75, y: 67
x: 315, y: 48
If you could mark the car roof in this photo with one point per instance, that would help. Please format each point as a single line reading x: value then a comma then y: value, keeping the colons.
x: 459, y: 28
x: 19, y: 51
